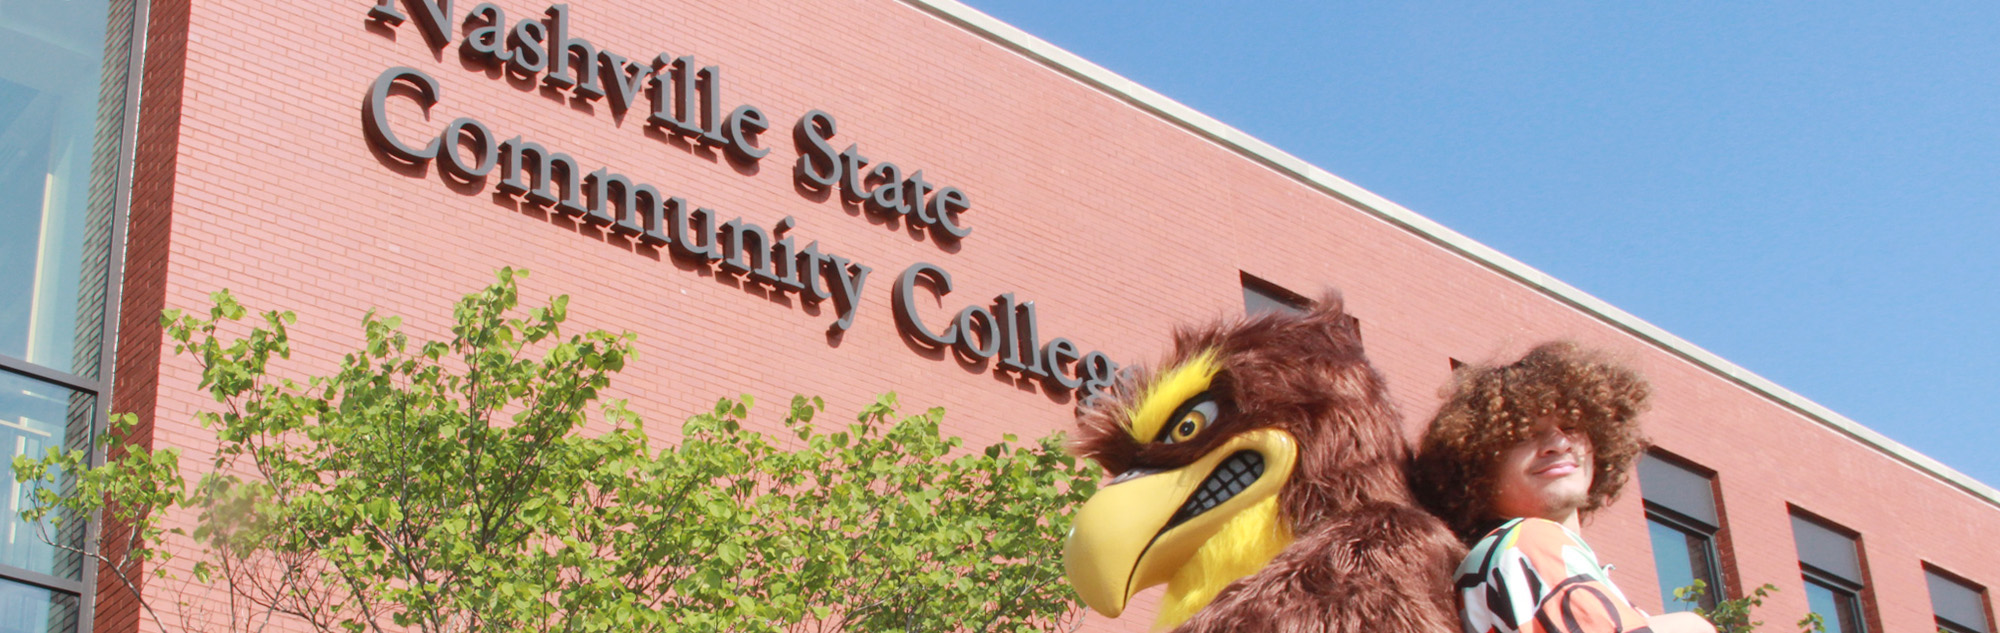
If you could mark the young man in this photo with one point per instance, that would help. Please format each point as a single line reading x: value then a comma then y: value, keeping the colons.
x: 1513, y: 460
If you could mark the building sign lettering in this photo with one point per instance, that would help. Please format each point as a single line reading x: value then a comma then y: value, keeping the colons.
x: 685, y: 99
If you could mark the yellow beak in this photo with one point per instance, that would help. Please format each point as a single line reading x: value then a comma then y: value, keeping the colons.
x: 1134, y: 533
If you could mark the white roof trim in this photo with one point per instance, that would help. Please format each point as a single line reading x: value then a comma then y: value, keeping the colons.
x: 1201, y: 124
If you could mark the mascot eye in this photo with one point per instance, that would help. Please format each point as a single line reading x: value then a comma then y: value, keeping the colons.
x: 1190, y: 423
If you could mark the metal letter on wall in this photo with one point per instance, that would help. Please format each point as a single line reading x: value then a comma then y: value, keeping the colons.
x: 375, y: 118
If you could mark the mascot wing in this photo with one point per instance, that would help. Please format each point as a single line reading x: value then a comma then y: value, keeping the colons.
x: 1259, y: 475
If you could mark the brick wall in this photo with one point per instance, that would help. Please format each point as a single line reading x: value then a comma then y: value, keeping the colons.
x: 255, y: 176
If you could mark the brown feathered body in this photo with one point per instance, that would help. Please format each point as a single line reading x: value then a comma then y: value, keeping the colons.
x: 1362, y: 554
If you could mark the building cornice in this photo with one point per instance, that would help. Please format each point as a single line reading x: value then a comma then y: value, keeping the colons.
x: 1174, y: 112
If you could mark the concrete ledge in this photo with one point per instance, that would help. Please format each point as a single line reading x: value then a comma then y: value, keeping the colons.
x: 1207, y: 127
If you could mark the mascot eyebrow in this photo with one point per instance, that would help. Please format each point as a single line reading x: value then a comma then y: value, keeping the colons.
x: 1165, y: 395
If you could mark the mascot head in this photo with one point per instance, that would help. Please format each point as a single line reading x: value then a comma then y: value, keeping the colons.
x: 1248, y: 433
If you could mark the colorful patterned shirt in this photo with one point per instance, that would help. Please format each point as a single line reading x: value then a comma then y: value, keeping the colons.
x: 1534, y: 576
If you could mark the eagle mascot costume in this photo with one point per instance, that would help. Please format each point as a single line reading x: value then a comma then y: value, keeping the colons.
x: 1259, y: 473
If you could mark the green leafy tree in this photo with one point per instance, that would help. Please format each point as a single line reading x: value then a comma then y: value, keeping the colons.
x: 1733, y: 616
x: 450, y: 486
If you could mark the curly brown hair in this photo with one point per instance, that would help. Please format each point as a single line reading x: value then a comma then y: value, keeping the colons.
x: 1488, y: 409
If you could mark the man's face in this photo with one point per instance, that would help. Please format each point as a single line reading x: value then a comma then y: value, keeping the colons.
x: 1547, y: 475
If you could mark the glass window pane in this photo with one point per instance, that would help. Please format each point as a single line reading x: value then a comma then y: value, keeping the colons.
x: 1680, y: 558
x: 29, y: 609
x: 1670, y: 559
x: 1819, y: 600
x: 1837, y: 608
x: 1261, y: 296
x: 35, y: 417
x: 58, y: 149
x: 1256, y: 301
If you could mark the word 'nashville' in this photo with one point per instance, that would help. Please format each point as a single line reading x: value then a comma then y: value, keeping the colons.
x: 684, y: 100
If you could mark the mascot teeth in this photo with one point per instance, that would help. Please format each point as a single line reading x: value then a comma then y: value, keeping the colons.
x: 1237, y: 473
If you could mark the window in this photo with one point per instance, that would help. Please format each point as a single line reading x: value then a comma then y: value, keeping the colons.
x: 1838, y: 608
x: 1830, y: 560
x: 34, y: 417
x: 1261, y: 296
x: 63, y: 122
x: 58, y: 124
x: 1960, y: 606
x: 1682, y: 520
x: 30, y: 608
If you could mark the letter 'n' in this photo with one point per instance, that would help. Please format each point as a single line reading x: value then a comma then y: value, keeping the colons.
x: 433, y: 18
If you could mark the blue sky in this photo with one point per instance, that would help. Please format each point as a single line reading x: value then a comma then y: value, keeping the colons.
x: 1810, y: 190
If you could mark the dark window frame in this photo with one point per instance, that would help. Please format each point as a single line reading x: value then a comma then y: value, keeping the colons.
x: 1855, y: 605
x: 1276, y: 294
x: 1716, y: 580
x: 1713, y: 535
x: 1948, y: 626
x: 99, y: 386
x: 1861, y: 598
x: 1979, y: 594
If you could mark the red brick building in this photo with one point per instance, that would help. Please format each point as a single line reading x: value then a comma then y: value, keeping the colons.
x: 283, y: 150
